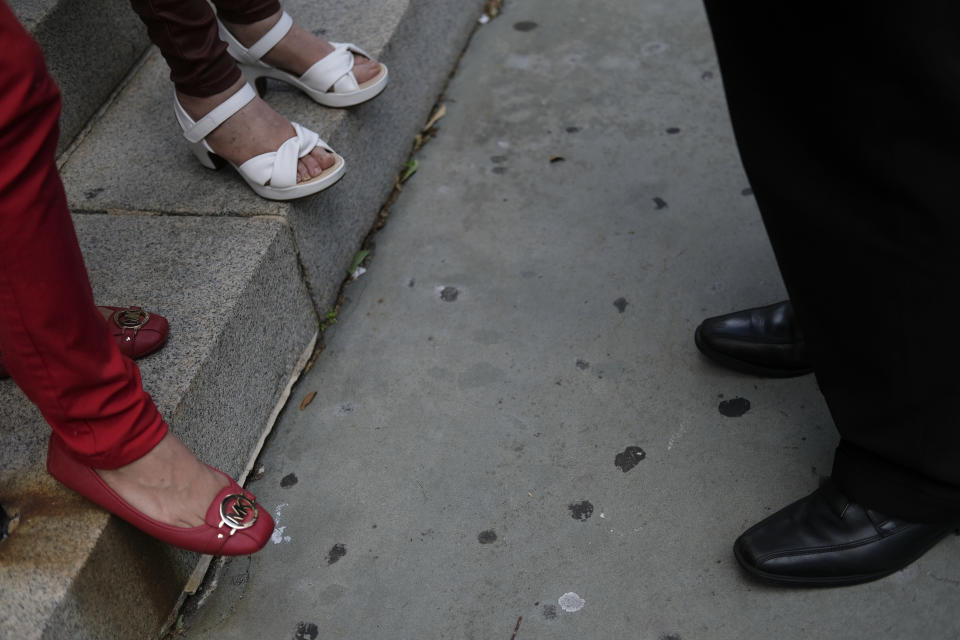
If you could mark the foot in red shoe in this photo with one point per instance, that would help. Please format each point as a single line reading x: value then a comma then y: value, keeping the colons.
x: 165, y: 503
x: 138, y: 332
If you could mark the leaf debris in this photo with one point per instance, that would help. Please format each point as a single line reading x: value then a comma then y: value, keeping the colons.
x: 493, y: 8
x: 307, y: 400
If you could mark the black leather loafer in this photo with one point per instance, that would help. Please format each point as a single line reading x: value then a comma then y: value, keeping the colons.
x: 826, y: 540
x: 763, y: 341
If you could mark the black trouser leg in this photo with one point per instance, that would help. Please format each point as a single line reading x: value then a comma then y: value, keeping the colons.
x: 848, y: 123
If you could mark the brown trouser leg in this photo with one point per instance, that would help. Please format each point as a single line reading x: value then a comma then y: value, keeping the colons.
x: 185, y: 31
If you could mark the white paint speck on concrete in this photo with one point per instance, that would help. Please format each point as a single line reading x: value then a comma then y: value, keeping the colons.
x: 571, y: 602
x: 675, y: 438
x: 653, y: 48
x: 277, y: 536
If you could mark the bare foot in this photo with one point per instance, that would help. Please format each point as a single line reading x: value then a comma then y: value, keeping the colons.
x: 298, y: 50
x: 254, y: 129
x: 168, y: 484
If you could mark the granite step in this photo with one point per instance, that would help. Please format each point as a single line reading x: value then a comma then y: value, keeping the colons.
x: 149, y: 167
x: 89, y: 46
x: 242, y: 328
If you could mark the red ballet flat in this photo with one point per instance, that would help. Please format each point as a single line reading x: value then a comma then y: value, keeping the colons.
x: 235, y: 525
x: 138, y: 332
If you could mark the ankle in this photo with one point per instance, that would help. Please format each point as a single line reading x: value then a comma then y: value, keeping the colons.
x: 199, y: 106
x: 248, y: 34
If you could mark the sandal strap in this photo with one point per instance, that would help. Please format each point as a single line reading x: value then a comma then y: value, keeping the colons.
x: 279, y: 168
x: 352, y: 48
x: 327, y: 71
x: 202, y: 128
x: 270, y: 39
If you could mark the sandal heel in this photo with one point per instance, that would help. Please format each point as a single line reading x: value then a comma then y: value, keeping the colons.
x: 260, y: 84
x: 254, y: 77
x: 206, y: 157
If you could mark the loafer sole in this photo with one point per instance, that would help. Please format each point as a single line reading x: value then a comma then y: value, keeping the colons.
x: 833, y: 581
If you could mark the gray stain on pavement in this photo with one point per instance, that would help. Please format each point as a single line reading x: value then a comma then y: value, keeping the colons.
x: 336, y: 552
x: 581, y: 510
x: 487, y: 537
x: 628, y: 458
x: 734, y: 407
x: 306, y: 631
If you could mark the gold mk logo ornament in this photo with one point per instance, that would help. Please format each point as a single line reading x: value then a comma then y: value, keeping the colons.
x: 238, y: 512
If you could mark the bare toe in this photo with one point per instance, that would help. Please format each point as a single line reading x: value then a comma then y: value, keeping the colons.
x: 311, y: 165
x: 324, y: 158
x: 364, y: 69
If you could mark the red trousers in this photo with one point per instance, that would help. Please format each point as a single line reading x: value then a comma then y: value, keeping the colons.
x: 54, y: 341
x: 185, y: 31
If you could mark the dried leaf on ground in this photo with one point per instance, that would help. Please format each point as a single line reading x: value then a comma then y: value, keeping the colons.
x: 493, y: 8
x: 423, y: 137
x: 439, y: 113
x: 308, y: 400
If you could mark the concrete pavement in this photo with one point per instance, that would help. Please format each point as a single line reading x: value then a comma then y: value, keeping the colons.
x: 513, y: 436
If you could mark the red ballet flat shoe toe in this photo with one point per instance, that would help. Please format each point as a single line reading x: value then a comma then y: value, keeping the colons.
x: 137, y: 331
x: 235, y: 524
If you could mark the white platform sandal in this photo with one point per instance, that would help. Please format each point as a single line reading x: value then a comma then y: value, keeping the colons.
x: 272, y: 175
x: 330, y: 81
